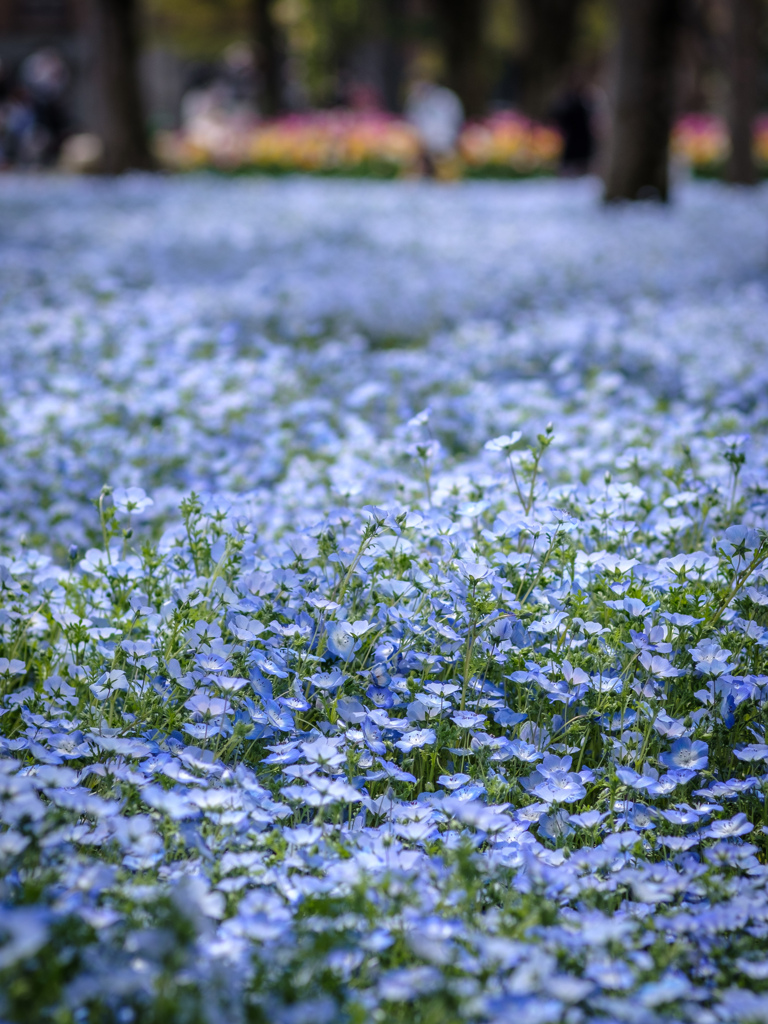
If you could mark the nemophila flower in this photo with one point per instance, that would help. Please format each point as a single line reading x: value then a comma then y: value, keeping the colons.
x: 322, y: 791
x: 271, y: 666
x: 710, y: 658
x: 69, y: 745
x: 380, y: 677
x: 468, y: 719
x: 659, y: 666
x: 739, y: 544
x: 327, y: 682
x: 245, y: 628
x: 753, y: 752
x: 727, y: 708
x: 278, y: 717
x: 138, y: 648
x: 667, y: 726
x: 109, y: 683
x: 508, y: 718
x: 131, y: 500
x: 456, y: 781
x: 523, y: 751
x: 727, y: 789
x: 560, y: 787
x: 474, y: 572
x: 175, y: 805
x: 682, y: 814
x: 203, y: 632
x: 390, y: 770
x: 430, y: 705
x: 232, y: 684
x: 341, y: 641
x: 443, y: 690
x: 504, y: 443
x: 208, y: 707
x: 475, y: 814
x: 416, y: 739
x: 350, y: 710
x: 685, y: 753
x: 736, y: 826
x: 555, y: 826
x: 575, y: 677
x: 733, y: 442
x: 637, y: 817
x: 11, y: 666
x: 323, y: 751
x: 613, y: 975
x: 294, y: 702
x: 284, y: 753
x: 587, y: 819
x: 372, y: 737
x: 381, y: 517
x: 380, y: 696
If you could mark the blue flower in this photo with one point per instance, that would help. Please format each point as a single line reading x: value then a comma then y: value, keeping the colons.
x: 131, y: 500
x: 381, y: 696
x: 341, y: 641
x: 685, y: 753
x: 730, y: 829
x: 415, y: 739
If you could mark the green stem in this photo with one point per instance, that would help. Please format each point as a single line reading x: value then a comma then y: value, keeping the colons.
x: 470, y: 646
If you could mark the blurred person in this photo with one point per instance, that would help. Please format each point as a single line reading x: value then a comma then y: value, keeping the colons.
x: 574, y: 116
x: 5, y: 83
x: 5, y: 91
x: 17, y: 127
x: 221, y: 96
x: 45, y: 78
x: 238, y: 74
x: 437, y: 114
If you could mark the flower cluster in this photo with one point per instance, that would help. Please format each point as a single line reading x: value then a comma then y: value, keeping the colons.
x: 350, y: 142
x: 509, y: 145
x: 324, y: 142
x: 382, y: 653
x: 701, y: 140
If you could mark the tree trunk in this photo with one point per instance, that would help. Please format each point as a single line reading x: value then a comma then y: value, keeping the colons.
x: 549, y: 30
x: 644, y: 101
x: 119, y: 110
x: 375, y: 53
x: 743, y: 70
x: 461, y: 23
x: 267, y: 58
x: 393, y: 72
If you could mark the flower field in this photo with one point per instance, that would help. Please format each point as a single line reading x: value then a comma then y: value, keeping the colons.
x: 383, y: 603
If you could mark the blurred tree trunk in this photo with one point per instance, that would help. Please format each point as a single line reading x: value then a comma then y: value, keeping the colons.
x: 550, y: 27
x: 644, y: 99
x: 461, y: 26
x: 393, y: 73
x: 743, y: 71
x: 376, y: 54
x: 267, y: 57
x: 119, y: 112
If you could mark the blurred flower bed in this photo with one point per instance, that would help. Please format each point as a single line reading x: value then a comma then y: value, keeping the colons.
x: 509, y: 145
x: 701, y: 141
x: 351, y: 143
x: 378, y: 145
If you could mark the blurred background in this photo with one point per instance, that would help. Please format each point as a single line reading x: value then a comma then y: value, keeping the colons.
x: 634, y: 90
